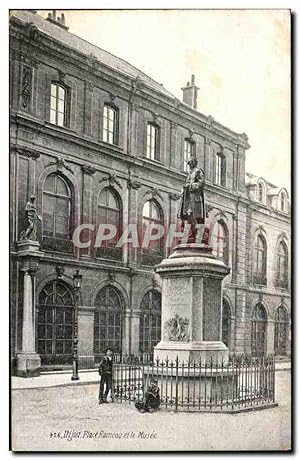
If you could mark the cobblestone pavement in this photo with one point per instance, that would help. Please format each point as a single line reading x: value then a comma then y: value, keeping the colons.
x: 38, y: 415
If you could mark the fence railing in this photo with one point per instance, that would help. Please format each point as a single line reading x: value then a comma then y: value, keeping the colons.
x: 240, y: 384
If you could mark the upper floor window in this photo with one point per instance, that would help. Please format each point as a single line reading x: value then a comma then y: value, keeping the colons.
x: 220, y: 178
x: 110, y: 125
x: 220, y: 241
x: 283, y: 202
x: 152, y: 147
x: 56, y: 207
x: 261, y: 192
x: 109, y: 212
x: 188, y: 151
x: 152, y: 216
x: 58, y: 105
x: 260, y: 261
x: 282, y: 266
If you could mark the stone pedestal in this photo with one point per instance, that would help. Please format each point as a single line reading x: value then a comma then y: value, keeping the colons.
x: 28, y: 362
x: 192, y: 305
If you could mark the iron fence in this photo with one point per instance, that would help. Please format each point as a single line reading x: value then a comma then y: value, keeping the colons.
x: 243, y: 383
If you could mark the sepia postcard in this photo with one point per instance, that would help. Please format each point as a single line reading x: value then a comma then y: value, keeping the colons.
x: 150, y: 230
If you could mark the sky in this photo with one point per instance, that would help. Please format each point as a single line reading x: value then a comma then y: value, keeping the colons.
x: 241, y: 60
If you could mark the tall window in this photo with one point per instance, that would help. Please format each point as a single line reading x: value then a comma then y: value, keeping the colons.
x: 219, y: 241
x: 110, y: 125
x: 281, y: 331
x: 152, y: 215
x: 258, y: 330
x: 260, y: 261
x: 261, y: 192
x: 220, y: 178
x: 226, y: 323
x: 56, y: 207
x: 283, y: 202
x: 109, y: 212
x: 108, y: 320
x: 150, y: 321
x: 58, y: 105
x: 152, y: 142
x: 282, y: 266
x: 188, y: 151
x: 55, y: 323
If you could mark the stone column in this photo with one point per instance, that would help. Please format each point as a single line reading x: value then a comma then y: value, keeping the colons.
x: 28, y: 362
x: 135, y: 332
x: 86, y: 356
x: 126, y: 332
x: 270, y: 337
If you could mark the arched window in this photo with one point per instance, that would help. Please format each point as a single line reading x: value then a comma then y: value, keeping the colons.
x: 152, y: 216
x: 110, y: 212
x: 152, y: 146
x: 281, y: 331
x: 226, y: 316
x: 58, y: 105
x: 150, y: 321
x: 220, y: 177
x: 261, y: 192
x: 282, y: 266
x: 55, y: 323
x: 283, y: 202
x: 56, y: 207
x: 188, y: 151
x: 110, y: 124
x: 258, y: 330
x: 219, y: 241
x: 260, y: 261
x: 108, y: 321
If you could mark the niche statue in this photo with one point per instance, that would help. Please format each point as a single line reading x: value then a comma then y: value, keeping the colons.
x: 31, y: 217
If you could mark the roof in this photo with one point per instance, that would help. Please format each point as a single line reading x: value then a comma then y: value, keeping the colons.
x: 83, y: 46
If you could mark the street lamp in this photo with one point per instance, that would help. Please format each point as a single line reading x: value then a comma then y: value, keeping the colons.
x: 77, y: 278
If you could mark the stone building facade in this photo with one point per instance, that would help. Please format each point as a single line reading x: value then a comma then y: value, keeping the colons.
x: 96, y: 140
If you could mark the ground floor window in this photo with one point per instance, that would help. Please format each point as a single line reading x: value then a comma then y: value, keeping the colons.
x: 55, y: 323
x: 108, y: 321
x: 281, y: 331
x: 150, y: 321
x: 258, y: 330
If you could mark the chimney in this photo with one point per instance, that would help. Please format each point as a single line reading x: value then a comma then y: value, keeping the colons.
x: 57, y: 20
x: 190, y: 93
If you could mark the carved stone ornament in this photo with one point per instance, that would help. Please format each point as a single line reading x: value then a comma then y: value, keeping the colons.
x: 62, y: 76
x: 26, y: 86
x: 59, y: 271
x: 111, y: 277
x: 136, y: 84
x: 154, y: 191
x: 112, y: 179
x: 27, y: 152
x: 88, y: 169
x: 135, y: 184
x: 112, y: 98
x: 174, y: 196
x: 191, y: 133
x: 61, y: 163
x: 32, y: 31
x: 177, y: 328
x: 92, y: 60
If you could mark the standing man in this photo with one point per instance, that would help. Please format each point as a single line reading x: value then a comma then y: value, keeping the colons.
x: 105, y: 372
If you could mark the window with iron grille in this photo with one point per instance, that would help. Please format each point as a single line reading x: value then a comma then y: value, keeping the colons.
x: 58, y: 105
x: 108, y: 320
x: 152, y: 146
x: 110, y: 125
x: 55, y: 323
x: 150, y: 321
x: 281, y: 331
x: 258, y: 330
x: 57, y: 202
x: 152, y: 215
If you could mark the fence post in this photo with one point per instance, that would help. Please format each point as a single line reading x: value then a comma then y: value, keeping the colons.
x: 176, y: 383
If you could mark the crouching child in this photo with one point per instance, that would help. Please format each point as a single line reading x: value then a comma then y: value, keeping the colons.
x: 151, y: 400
